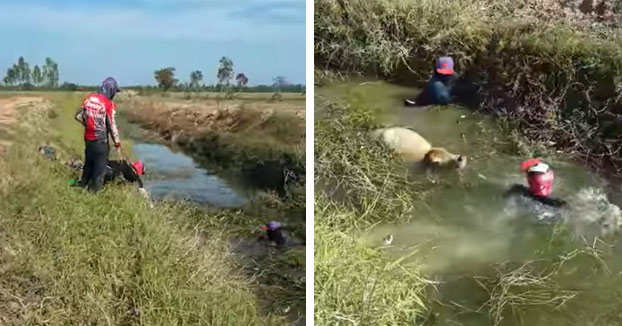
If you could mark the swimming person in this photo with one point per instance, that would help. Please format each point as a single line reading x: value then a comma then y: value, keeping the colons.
x: 540, y: 179
x: 439, y: 88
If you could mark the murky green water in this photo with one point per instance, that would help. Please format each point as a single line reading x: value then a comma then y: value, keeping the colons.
x: 466, y: 229
x: 172, y: 175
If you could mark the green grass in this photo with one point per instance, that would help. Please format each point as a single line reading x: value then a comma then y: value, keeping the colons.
x: 358, y: 185
x: 70, y: 258
x: 356, y: 284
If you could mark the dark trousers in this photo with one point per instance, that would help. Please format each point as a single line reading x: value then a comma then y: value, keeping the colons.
x: 435, y: 93
x: 95, y: 161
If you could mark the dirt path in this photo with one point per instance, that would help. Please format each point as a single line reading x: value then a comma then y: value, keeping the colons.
x: 9, y: 109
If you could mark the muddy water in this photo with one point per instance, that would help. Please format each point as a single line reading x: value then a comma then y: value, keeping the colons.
x: 465, y: 229
x: 176, y: 176
x: 172, y: 175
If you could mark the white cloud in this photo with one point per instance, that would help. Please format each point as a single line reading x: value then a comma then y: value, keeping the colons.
x: 201, y: 23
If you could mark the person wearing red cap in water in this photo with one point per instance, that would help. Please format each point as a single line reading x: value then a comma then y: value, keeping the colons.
x: 540, y: 179
x: 276, y: 233
x: 439, y: 88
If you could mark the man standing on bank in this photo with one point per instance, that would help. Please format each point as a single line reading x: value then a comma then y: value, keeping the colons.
x: 97, y: 115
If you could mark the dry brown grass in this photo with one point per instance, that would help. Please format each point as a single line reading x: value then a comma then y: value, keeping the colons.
x: 10, y: 105
x: 207, y: 115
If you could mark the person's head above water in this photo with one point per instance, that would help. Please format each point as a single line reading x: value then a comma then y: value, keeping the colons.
x: 274, y: 225
x: 274, y: 233
x: 539, y: 177
x: 445, y: 66
x: 109, y: 88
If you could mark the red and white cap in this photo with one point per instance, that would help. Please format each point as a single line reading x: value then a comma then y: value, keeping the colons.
x: 535, y: 165
x: 539, y: 168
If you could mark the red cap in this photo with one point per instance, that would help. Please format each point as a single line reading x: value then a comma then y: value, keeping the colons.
x: 529, y: 163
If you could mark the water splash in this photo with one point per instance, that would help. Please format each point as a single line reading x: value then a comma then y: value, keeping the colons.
x: 592, y: 214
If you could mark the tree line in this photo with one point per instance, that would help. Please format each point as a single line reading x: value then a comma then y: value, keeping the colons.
x: 21, y: 75
x: 166, y: 80
x: 47, y: 76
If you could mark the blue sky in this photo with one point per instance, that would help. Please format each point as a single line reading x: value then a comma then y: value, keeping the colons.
x: 130, y: 39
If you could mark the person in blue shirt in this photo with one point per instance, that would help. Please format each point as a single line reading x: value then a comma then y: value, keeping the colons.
x: 439, y: 88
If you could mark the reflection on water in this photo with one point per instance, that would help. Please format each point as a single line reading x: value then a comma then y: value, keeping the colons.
x: 176, y: 176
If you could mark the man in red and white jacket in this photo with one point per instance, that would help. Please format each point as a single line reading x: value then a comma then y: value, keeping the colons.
x: 97, y: 115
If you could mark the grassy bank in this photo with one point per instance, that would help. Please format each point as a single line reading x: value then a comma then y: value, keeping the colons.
x: 68, y: 257
x: 359, y: 184
x: 551, y: 70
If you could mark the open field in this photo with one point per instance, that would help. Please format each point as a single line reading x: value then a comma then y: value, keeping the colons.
x: 69, y: 257
x: 224, y: 96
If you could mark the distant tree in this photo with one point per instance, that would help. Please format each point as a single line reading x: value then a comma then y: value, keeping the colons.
x: 11, y: 76
x: 195, y: 79
x: 242, y: 80
x: 225, y: 72
x: 37, y: 77
x: 24, y: 71
x: 279, y: 83
x: 165, y: 78
x: 50, y: 72
x: 69, y: 87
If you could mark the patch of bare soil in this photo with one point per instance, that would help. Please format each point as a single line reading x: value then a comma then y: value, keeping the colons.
x: 9, y: 110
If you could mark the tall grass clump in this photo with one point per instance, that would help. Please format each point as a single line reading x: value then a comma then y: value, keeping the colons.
x: 356, y: 284
x: 359, y: 184
x: 72, y: 258
x: 553, y: 70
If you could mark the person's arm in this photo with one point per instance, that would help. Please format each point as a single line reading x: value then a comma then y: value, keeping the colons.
x: 516, y: 189
x: 111, y: 126
x: 80, y: 116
